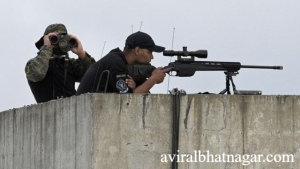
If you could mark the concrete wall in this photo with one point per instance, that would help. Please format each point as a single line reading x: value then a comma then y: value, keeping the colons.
x: 133, y: 131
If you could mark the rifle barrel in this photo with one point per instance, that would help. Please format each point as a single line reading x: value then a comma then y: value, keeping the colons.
x: 262, y: 67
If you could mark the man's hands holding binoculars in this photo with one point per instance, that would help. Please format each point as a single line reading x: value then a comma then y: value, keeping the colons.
x: 65, y: 42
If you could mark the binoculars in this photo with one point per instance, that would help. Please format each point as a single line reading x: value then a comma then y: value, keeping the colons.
x: 63, y: 41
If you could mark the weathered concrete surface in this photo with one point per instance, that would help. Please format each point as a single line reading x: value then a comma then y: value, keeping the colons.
x: 211, y: 123
x: 240, y: 125
x: 137, y: 132
x: 49, y: 135
x: 133, y: 131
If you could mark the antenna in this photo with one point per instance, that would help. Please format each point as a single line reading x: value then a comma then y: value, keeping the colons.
x: 103, y: 49
x: 141, y: 25
x: 131, y: 29
x: 171, y: 58
x: 98, y: 66
x: 172, y: 43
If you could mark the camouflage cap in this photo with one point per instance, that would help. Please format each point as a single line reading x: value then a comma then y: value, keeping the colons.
x: 58, y: 27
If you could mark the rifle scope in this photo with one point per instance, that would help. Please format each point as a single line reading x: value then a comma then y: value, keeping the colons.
x: 198, y: 53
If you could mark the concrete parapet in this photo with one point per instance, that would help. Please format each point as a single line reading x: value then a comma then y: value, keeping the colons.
x: 134, y: 131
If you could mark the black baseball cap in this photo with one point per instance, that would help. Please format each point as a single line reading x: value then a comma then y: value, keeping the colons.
x: 142, y: 40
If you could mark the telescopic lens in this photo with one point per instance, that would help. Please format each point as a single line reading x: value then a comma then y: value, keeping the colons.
x: 53, y: 40
x: 73, y: 43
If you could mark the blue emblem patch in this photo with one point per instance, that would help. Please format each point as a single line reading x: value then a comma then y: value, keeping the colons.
x: 122, y: 86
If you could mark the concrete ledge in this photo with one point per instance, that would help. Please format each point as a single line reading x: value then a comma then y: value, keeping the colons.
x: 133, y: 131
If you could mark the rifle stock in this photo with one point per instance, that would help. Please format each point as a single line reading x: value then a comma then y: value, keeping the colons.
x: 140, y: 72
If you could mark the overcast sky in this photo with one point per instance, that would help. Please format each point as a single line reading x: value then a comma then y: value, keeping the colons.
x: 254, y: 32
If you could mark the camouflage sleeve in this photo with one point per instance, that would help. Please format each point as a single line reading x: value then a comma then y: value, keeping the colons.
x: 81, y: 66
x: 36, y: 68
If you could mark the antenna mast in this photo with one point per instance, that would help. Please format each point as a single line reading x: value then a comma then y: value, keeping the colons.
x: 171, y: 58
x: 103, y: 49
x: 141, y: 25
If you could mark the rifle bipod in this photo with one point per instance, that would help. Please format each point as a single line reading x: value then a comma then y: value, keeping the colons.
x: 229, y: 79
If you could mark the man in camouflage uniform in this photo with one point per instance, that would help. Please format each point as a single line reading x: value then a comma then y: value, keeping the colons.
x: 52, y: 74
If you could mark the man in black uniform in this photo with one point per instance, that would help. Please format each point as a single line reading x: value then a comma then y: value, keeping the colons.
x: 52, y: 73
x: 138, y: 49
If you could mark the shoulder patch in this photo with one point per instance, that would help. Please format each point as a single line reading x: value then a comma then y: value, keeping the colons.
x: 27, y: 69
x: 122, y: 86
